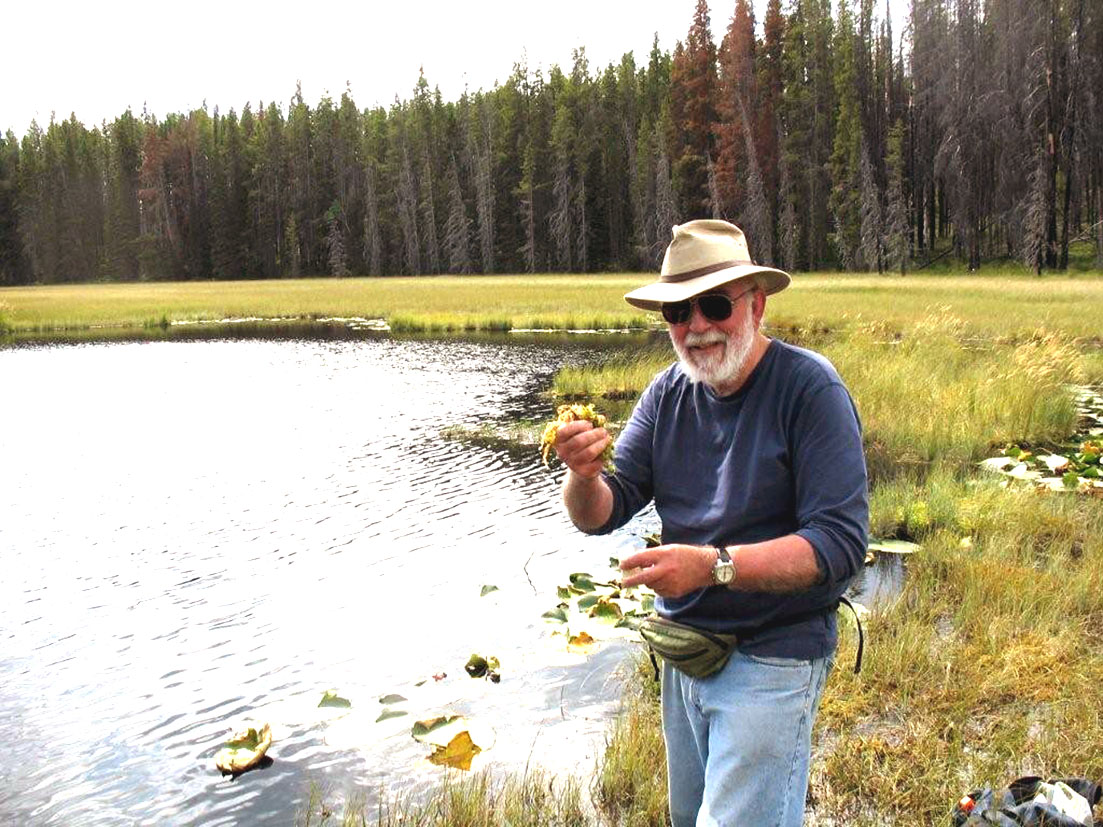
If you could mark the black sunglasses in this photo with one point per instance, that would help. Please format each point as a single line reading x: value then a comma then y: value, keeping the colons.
x: 716, y: 307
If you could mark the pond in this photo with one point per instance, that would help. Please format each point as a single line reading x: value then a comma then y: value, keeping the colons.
x: 201, y: 533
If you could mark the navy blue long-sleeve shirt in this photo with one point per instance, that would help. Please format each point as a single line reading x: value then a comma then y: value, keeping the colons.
x: 783, y: 455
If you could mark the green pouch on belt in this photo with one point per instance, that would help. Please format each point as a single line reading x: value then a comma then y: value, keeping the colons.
x: 693, y: 651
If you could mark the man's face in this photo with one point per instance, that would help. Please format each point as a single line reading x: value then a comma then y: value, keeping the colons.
x: 714, y: 352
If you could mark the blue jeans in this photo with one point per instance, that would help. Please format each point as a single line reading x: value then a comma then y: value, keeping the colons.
x: 738, y: 742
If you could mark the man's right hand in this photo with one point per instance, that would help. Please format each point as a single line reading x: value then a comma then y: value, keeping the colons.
x: 579, y: 445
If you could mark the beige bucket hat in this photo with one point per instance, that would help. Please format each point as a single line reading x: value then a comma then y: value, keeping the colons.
x: 703, y: 255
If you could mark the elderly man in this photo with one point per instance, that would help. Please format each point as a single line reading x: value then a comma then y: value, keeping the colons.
x: 751, y: 449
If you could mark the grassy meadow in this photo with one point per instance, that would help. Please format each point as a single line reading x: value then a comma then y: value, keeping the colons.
x: 988, y: 664
x: 994, y: 306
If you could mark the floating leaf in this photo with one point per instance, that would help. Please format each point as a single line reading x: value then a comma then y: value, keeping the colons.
x: 429, y: 730
x: 652, y: 540
x: 476, y: 666
x: 614, y: 563
x: 581, y: 644
x: 606, y: 610
x: 583, y: 581
x: 647, y: 603
x: 458, y: 753
x: 559, y: 614
x: 244, y: 750
x: 391, y: 699
x: 893, y: 546
x: 588, y: 602
x: 390, y: 713
x: 331, y: 698
x: 563, y: 593
x: 487, y: 590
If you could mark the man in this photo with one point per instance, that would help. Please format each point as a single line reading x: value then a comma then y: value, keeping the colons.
x: 751, y: 450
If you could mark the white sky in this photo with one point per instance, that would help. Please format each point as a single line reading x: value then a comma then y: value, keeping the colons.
x: 96, y: 59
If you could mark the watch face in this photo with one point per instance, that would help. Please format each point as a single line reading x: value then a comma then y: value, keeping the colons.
x: 723, y: 573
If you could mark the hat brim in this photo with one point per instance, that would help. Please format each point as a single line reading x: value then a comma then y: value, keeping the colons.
x: 653, y: 296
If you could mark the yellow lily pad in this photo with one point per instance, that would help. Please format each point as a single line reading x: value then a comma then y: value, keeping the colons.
x: 458, y: 753
x: 582, y: 643
x: 244, y: 750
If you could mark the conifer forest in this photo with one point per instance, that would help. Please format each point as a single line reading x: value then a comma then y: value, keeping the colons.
x: 975, y: 135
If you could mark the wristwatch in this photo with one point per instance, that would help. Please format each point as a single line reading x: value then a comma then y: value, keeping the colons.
x: 723, y: 572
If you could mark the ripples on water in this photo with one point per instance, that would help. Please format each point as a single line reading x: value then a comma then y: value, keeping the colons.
x: 199, y: 533
x: 195, y: 534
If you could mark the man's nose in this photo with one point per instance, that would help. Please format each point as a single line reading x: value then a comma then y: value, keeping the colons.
x: 697, y: 321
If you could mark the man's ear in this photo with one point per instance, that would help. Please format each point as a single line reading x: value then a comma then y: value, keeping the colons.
x: 758, y: 309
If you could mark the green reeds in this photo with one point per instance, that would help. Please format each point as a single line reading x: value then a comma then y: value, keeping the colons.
x: 533, y: 799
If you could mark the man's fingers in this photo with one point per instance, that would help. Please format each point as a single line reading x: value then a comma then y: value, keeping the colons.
x: 569, y: 430
x: 641, y: 559
x: 583, y: 448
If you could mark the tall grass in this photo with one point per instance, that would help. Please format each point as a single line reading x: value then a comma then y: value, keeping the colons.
x: 530, y: 800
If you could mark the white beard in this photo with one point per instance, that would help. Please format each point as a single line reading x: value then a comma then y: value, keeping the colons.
x: 724, y: 368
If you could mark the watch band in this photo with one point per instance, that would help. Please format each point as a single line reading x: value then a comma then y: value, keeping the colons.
x: 723, y: 572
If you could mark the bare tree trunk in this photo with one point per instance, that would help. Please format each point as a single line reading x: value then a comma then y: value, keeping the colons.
x: 666, y: 215
x: 559, y: 220
x: 871, y: 214
x: 373, y: 241
x: 407, y: 212
x: 457, y: 229
x: 756, y: 214
x: 429, y: 215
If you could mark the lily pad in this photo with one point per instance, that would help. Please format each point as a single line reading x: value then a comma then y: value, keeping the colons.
x: 436, y: 730
x: 581, y: 644
x: 582, y: 581
x: 479, y: 667
x: 606, y: 610
x: 559, y: 614
x: 390, y: 712
x: 331, y: 698
x: 391, y: 699
x: 457, y: 753
x: 244, y: 750
x: 588, y: 602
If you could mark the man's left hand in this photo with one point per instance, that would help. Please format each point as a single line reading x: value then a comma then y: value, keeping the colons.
x: 670, y: 571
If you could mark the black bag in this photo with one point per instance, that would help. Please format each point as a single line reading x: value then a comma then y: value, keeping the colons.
x: 1012, y: 806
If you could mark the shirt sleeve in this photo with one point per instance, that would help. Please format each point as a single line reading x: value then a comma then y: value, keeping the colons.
x: 632, y: 455
x: 829, y: 470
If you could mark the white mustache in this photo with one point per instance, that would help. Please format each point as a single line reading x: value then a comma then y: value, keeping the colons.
x: 711, y: 337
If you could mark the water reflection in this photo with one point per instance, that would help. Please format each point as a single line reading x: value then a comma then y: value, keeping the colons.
x: 199, y: 532
x: 196, y: 533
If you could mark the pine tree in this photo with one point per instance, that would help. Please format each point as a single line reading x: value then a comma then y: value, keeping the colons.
x: 846, y: 157
x: 335, y: 242
x: 693, y: 112
x: 13, y: 264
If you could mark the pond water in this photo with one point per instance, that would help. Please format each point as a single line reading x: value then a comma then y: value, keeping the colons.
x: 200, y: 534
